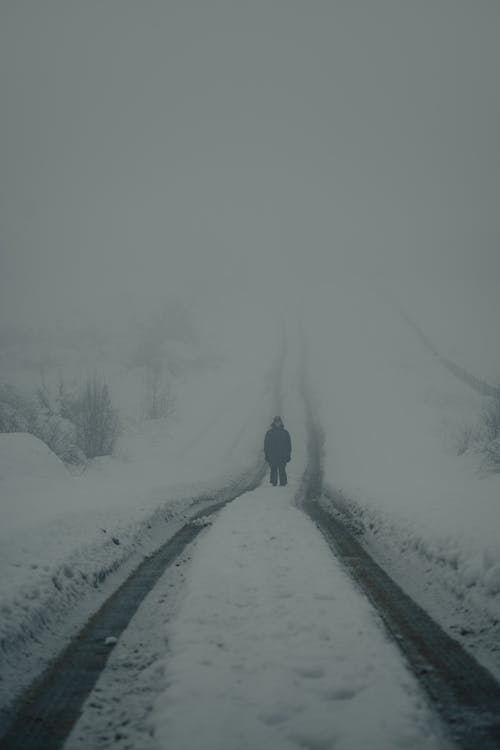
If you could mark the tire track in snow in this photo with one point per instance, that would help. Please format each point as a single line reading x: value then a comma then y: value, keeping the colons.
x: 274, y: 647
x: 47, y: 712
x: 465, y: 694
x: 479, y: 385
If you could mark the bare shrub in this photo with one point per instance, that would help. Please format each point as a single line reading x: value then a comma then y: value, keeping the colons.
x: 492, y: 453
x: 490, y: 434
x: 491, y: 419
x: 95, y: 419
x: 18, y: 412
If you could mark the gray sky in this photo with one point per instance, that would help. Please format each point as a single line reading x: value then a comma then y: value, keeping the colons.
x: 193, y: 146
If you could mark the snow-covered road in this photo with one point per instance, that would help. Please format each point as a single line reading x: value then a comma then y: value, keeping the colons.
x: 275, y: 647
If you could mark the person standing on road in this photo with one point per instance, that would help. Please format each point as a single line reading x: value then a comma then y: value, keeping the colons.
x: 278, y: 451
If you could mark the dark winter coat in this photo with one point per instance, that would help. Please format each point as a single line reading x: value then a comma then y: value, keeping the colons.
x: 277, y: 445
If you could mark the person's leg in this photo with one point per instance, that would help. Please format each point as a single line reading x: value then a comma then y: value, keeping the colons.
x: 274, y: 474
x: 283, y: 476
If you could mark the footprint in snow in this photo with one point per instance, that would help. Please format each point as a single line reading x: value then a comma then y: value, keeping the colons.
x: 340, y: 693
x: 273, y: 718
x: 324, y: 597
x: 310, y: 741
x: 310, y: 673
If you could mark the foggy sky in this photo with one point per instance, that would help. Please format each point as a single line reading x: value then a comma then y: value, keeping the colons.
x: 190, y: 147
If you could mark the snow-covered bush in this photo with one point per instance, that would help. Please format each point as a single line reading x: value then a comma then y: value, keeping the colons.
x: 38, y: 415
x: 483, y: 439
x: 491, y: 419
x: 75, y: 426
x: 60, y: 435
x: 493, y: 454
x: 18, y: 412
x: 56, y: 431
x: 489, y: 434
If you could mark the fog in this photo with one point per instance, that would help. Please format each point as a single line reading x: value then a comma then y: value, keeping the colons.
x: 197, y: 148
x: 212, y: 212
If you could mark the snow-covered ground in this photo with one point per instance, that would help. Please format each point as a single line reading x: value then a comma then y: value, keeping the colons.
x: 274, y: 647
x: 391, y: 416
x: 257, y: 639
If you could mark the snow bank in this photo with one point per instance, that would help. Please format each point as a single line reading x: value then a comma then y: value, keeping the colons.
x: 23, y: 455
